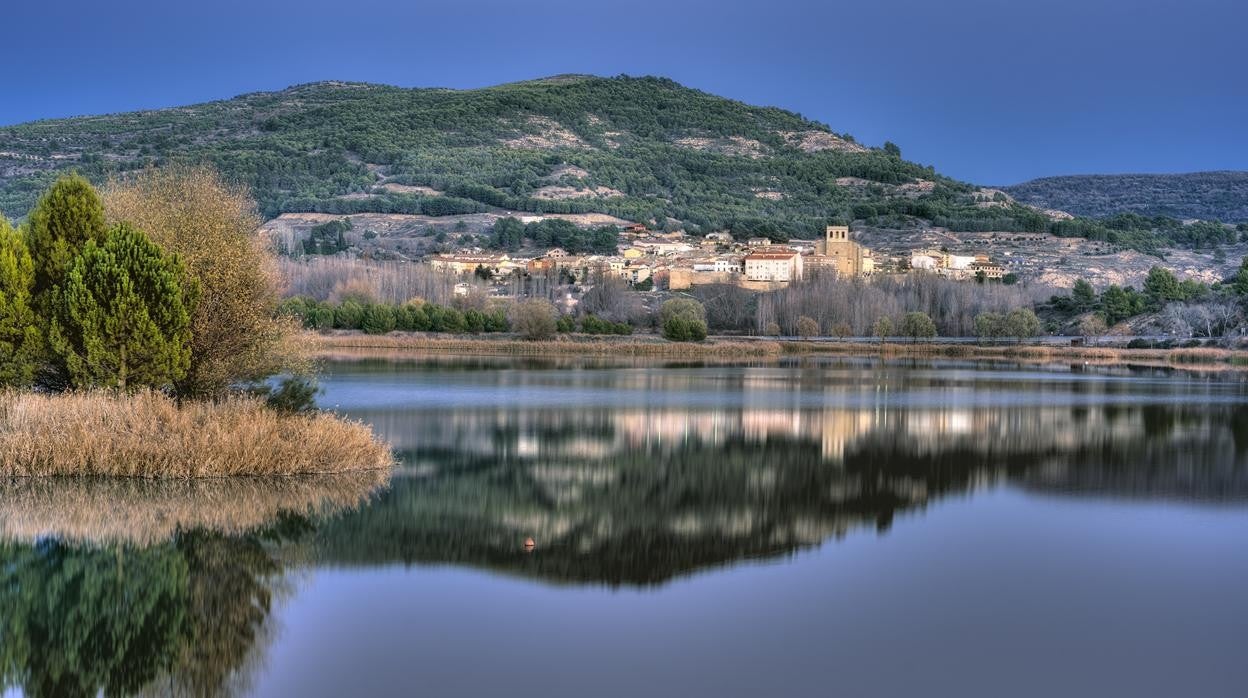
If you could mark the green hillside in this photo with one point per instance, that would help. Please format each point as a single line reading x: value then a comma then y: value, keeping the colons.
x: 660, y: 149
x: 1219, y: 196
x: 643, y: 149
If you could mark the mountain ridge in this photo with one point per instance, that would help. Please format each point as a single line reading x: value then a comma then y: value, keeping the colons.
x: 661, y: 150
x: 1207, y: 195
x: 641, y: 149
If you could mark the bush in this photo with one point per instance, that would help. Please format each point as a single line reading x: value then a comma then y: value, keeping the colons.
x: 534, y: 319
x: 683, y: 320
x: 591, y: 324
x: 679, y: 329
x: 917, y: 326
x: 377, y: 319
x: 807, y: 327
x: 292, y: 395
x: 348, y: 316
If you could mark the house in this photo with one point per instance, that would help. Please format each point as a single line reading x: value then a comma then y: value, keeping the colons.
x: 557, y: 252
x: 540, y: 266
x: 636, y: 273
x: 991, y: 270
x: 778, y: 264
x: 660, y: 246
x: 758, y: 242
x: 633, y: 253
x: 718, y: 265
x: 467, y: 263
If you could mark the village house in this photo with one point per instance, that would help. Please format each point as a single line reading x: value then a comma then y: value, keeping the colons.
x: 660, y: 246
x: 990, y: 270
x: 497, y: 264
x: 774, y: 264
x: 758, y: 242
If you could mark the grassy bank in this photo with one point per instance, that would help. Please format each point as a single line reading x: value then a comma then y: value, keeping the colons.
x: 327, y: 344
x: 350, y: 344
x: 150, y: 435
x: 1225, y: 358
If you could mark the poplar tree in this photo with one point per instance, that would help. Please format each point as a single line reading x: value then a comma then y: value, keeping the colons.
x: 122, y: 318
x: 19, y: 337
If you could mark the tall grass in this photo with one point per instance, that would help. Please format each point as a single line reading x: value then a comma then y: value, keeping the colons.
x: 149, y: 435
x: 598, y: 346
x: 129, y: 510
x: 1195, y: 357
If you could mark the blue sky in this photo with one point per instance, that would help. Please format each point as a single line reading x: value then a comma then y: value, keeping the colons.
x: 991, y: 91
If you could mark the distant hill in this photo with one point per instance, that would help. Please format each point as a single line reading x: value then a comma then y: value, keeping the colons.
x: 642, y: 149
x: 1219, y: 196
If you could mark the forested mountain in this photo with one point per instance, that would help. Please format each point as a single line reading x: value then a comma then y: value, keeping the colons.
x: 1221, y: 196
x: 642, y: 149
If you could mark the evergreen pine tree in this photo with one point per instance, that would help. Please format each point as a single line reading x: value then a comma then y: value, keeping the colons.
x: 20, y: 341
x: 122, y: 318
x: 68, y: 216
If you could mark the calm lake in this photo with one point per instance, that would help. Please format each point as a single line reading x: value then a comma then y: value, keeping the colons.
x: 807, y: 528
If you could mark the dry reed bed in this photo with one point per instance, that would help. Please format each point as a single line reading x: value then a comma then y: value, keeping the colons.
x: 149, y: 435
x: 1208, y: 357
x: 142, y: 512
x: 327, y: 343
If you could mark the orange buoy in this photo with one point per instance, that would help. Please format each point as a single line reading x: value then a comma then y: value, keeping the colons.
x: 528, y: 544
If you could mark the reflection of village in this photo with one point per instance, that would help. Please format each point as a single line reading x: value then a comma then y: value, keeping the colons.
x: 591, y: 434
x: 675, y: 261
x: 642, y: 494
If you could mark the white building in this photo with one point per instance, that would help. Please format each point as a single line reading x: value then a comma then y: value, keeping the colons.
x: 773, y: 264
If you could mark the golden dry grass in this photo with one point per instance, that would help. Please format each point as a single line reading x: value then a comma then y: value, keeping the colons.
x: 620, y: 346
x: 149, y: 435
x: 129, y: 510
x: 1195, y: 358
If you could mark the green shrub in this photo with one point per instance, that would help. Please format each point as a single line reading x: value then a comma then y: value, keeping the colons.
x: 348, y: 316
x: 377, y: 319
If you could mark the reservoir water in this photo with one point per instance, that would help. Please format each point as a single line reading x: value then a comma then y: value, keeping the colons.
x: 597, y: 528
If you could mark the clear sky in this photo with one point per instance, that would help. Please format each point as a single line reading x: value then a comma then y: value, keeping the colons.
x: 991, y: 91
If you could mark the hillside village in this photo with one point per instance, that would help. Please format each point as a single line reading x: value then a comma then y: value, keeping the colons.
x: 676, y: 261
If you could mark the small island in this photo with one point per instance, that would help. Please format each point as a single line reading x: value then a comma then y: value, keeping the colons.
x: 140, y: 337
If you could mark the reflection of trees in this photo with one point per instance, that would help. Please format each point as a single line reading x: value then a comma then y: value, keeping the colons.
x: 77, y: 622
x: 142, y: 595
x: 638, y: 500
x: 184, y: 615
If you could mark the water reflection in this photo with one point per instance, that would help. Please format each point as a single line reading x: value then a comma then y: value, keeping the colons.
x: 119, y: 586
x: 637, y: 497
x: 621, y: 476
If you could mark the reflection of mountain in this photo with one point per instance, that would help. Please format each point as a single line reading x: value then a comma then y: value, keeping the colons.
x: 640, y: 496
x: 118, y: 587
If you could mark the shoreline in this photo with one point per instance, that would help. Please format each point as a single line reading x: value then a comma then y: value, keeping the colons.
x: 346, y: 344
